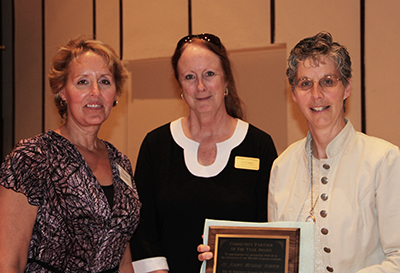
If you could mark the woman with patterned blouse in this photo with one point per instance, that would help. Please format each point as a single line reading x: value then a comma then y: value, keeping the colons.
x: 67, y: 199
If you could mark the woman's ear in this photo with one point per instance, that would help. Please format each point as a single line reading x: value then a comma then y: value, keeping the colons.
x: 347, y: 90
x: 61, y: 93
x: 294, y: 95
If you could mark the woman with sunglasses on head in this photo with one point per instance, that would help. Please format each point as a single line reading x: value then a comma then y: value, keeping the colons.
x: 195, y: 167
x: 67, y: 199
x: 343, y: 181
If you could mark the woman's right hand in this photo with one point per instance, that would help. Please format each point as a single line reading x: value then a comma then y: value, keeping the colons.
x: 205, y: 253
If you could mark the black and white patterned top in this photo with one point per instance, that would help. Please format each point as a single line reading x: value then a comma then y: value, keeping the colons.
x: 75, y: 229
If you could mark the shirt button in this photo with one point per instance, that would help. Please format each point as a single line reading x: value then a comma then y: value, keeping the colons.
x: 324, y: 197
x: 329, y: 268
x: 324, y: 231
x: 327, y: 249
x: 324, y: 180
x: 323, y: 213
x: 326, y: 166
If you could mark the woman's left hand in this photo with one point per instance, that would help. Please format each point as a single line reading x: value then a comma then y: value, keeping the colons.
x: 205, y: 253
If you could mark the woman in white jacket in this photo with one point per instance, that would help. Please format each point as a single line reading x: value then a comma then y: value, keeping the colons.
x: 344, y: 181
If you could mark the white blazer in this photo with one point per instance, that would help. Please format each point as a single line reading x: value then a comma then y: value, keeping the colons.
x: 362, y: 199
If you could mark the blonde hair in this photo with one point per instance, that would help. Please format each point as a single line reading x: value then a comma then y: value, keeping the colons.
x: 59, y: 71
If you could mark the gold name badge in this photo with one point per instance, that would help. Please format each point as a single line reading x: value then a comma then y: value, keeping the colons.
x: 247, y: 163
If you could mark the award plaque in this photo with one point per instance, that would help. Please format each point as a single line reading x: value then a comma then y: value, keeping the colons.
x: 251, y: 249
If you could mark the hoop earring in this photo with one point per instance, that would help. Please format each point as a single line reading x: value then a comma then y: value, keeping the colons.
x: 115, y: 103
x: 226, y: 92
x: 182, y: 95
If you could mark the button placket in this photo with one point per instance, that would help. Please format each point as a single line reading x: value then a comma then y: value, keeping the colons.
x: 324, y: 169
x: 323, y: 209
x: 324, y: 197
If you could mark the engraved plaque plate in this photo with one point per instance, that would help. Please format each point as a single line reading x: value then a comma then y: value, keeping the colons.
x: 253, y: 249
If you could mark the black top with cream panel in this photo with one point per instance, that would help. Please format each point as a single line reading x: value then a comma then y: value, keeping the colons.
x: 178, y: 193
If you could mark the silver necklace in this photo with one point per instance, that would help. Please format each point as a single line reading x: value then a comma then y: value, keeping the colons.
x: 311, y: 217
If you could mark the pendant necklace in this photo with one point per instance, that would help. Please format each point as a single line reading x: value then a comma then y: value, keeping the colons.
x: 311, y: 217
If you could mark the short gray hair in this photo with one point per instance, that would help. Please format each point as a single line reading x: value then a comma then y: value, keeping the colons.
x: 313, y: 48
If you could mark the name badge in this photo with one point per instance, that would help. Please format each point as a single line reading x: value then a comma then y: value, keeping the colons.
x: 124, y: 176
x: 247, y: 163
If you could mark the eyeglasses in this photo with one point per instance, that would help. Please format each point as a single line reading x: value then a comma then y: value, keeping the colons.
x: 326, y: 82
x: 204, y: 36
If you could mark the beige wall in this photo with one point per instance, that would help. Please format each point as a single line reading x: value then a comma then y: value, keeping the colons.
x: 152, y: 28
x: 382, y: 67
x: 28, y: 69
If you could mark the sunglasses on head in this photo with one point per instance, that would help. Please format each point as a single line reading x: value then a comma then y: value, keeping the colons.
x: 204, y: 36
